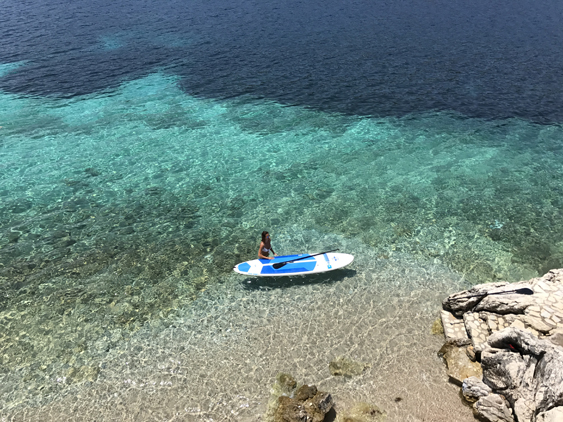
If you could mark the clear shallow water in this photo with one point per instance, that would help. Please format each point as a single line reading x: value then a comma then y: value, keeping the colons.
x: 120, y: 209
x: 217, y: 360
x: 141, y: 158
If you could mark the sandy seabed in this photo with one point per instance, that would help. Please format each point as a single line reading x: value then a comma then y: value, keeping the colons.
x: 219, y: 358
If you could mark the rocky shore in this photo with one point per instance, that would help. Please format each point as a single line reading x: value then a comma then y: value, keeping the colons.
x: 504, y: 346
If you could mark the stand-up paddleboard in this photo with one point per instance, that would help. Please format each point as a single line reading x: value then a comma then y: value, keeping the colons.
x: 294, y: 264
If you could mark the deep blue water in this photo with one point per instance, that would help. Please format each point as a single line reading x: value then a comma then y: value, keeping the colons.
x: 380, y: 58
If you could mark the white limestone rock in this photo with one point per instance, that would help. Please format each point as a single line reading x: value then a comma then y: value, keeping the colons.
x: 509, y: 303
x: 473, y: 389
x: 493, y: 408
x: 522, y: 376
x: 489, y: 297
x: 552, y: 415
x: 460, y: 303
x: 528, y: 372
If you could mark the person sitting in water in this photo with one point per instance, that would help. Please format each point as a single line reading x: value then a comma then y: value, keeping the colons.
x: 266, y: 247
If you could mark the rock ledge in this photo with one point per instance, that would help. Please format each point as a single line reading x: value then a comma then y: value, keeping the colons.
x: 517, y: 338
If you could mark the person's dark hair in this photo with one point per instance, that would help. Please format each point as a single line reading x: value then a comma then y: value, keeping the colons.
x: 264, y: 233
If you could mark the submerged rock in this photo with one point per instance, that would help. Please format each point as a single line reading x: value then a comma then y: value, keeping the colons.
x: 342, y: 366
x: 308, y: 405
x: 437, y: 327
x: 459, y: 365
x: 83, y: 373
x: 285, y: 385
x: 92, y: 172
x: 363, y: 412
x: 290, y: 403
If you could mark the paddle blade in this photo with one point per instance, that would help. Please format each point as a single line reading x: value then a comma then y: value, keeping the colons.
x: 522, y: 291
x: 278, y: 265
x: 525, y: 291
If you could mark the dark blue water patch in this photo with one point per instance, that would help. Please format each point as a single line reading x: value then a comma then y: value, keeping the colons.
x: 482, y: 59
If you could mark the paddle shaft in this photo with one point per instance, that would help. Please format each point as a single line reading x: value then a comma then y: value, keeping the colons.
x: 523, y: 290
x: 281, y: 264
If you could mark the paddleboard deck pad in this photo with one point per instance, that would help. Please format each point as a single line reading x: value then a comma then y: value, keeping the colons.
x: 312, y: 265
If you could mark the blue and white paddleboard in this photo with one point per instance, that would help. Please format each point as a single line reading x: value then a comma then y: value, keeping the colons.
x: 310, y: 265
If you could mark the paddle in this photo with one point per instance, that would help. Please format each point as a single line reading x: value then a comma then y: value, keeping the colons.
x: 278, y: 265
x: 522, y: 291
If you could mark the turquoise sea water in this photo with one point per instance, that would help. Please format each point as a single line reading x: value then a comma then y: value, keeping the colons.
x: 144, y: 146
x: 123, y: 212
